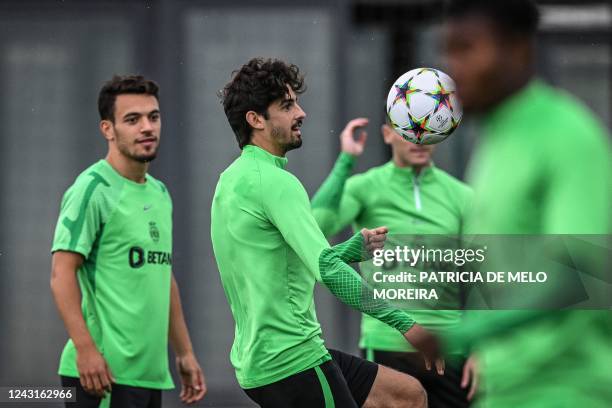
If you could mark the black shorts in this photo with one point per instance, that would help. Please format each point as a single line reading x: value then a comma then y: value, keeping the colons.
x: 345, y: 379
x: 122, y: 396
x: 443, y: 391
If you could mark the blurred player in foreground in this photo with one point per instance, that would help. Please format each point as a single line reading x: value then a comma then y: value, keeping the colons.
x: 271, y: 252
x: 112, y: 266
x: 542, y: 167
x: 411, y: 197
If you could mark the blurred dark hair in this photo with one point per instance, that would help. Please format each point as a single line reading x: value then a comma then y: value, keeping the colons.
x: 515, y: 17
x: 123, y: 84
x: 254, y: 87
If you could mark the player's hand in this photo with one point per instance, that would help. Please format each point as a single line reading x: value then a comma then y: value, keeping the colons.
x: 427, y: 344
x: 94, y: 374
x: 374, y: 239
x: 348, y: 144
x: 193, y: 384
x: 439, y: 363
x: 470, y: 376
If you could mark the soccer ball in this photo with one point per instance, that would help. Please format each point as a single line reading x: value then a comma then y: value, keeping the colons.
x: 423, y: 107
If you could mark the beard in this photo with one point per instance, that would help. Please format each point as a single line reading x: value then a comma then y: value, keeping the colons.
x: 124, y: 149
x: 145, y: 158
x: 286, y: 139
x: 142, y: 158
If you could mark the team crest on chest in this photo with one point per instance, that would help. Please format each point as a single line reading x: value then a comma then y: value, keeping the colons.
x: 154, y: 232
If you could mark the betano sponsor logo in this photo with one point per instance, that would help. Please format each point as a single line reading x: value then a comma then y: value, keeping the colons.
x: 138, y: 256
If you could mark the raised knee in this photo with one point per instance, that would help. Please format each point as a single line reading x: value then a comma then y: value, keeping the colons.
x: 396, y: 390
x: 414, y: 395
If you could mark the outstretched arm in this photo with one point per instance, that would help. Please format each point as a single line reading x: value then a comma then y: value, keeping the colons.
x: 348, y: 286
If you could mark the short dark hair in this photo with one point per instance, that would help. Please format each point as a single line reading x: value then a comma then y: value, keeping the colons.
x: 254, y: 87
x: 515, y: 17
x: 123, y: 84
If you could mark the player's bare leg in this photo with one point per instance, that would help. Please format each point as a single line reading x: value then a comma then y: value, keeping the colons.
x: 393, y: 389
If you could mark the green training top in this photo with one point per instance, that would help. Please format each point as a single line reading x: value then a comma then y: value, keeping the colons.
x: 432, y: 202
x: 270, y: 252
x: 123, y: 229
x: 543, y: 166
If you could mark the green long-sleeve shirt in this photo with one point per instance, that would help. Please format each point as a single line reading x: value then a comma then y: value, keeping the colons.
x: 270, y: 252
x: 543, y: 166
x: 431, y: 202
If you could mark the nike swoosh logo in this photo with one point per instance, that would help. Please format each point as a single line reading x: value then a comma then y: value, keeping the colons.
x: 147, y: 207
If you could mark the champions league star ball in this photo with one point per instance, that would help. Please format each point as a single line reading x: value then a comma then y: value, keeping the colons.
x: 422, y: 106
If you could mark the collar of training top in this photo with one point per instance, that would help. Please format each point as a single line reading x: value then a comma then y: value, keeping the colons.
x: 261, y: 154
x: 408, y: 172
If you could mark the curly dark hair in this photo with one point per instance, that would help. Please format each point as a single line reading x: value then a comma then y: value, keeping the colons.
x: 123, y: 84
x: 254, y: 87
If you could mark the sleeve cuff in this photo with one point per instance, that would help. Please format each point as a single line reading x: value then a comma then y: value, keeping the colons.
x: 346, y: 161
x: 79, y: 249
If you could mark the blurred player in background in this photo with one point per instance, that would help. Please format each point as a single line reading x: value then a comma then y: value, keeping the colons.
x: 411, y: 197
x: 542, y: 167
x: 112, y: 265
x: 270, y: 253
